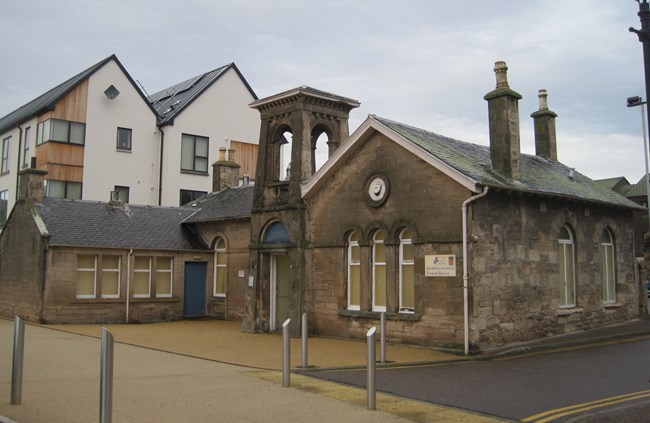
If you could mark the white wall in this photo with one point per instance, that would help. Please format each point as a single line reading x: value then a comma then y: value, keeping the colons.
x: 104, y: 165
x: 220, y: 112
x: 8, y: 181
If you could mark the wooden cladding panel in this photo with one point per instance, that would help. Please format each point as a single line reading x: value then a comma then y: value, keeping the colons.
x: 63, y: 172
x: 71, y: 107
x: 60, y: 153
x: 246, y: 157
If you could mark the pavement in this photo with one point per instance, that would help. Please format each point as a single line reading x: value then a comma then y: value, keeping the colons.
x: 205, y: 371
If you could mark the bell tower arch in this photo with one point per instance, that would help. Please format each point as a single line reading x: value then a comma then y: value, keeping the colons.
x: 299, y: 118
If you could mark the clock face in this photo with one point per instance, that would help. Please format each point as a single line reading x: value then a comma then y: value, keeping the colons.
x: 377, y: 190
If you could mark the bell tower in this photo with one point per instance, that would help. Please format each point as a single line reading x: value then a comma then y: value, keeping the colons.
x: 297, y: 118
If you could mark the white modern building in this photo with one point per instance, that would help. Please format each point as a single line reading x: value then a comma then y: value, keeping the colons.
x: 98, y: 135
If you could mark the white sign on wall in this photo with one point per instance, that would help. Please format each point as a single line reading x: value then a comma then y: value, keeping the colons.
x: 440, y: 265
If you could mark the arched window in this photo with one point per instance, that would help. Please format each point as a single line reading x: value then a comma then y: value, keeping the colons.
x: 378, y: 272
x: 277, y: 233
x: 220, y: 268
x: 406, y: 272
x: 354, y: 272
x: 566, y: 260
x: 608, y: 268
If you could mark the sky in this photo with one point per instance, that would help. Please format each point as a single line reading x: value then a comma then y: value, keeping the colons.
x: 425, y: 63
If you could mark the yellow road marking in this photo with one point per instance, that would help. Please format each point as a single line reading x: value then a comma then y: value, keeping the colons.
x: 578, y: 408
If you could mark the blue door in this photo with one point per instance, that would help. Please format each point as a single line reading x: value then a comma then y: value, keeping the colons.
x: 195, y: 275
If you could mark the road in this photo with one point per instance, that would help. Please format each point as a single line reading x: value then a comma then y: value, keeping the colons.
x: 598, y: 383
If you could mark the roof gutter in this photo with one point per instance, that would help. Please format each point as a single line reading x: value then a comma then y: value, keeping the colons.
x: 465, y: 267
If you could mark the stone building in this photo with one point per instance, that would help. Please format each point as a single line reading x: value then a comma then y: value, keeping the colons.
x: 463, y: 246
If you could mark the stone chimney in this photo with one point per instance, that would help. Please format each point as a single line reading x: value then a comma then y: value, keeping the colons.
x: 225, y: 173
x: 545, y: 139
x: 503, y: 112
x: 31, y: 186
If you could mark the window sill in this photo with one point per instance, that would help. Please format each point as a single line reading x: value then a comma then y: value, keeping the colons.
x: 195, y: 172
x: 569, y: 311
x: 407, y: 317
x: 123, y: 150
x: 219, y: 297
x: 612, y: 305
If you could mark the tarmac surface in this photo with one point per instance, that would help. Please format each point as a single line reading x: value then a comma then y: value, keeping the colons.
x: 208, y: 371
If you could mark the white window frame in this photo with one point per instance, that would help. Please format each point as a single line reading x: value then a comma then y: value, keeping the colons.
x: 135, y: 270
x: 352, y: 264
x: 217, y: 253
x: 26, y: 157
x: 375, y: 266
x: 403, y: 263
x: 119, y: 274
x: 88, y: 269
x: 564, y: 245
x: 170, y: 271
x: 4, y: 163
x: 609, y: 287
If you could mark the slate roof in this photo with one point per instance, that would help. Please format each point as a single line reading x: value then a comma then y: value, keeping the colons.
x: 618, y: 184
x: 170, y: 102
x: 47, y: 101
x: 538, y: 175
x: 103, y: 225
x: 636, y: 190
x: 231, y: 203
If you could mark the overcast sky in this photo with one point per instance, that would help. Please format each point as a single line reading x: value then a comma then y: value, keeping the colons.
x: 424, y: 63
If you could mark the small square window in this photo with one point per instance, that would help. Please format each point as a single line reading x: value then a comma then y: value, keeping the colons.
x: 124, y: 139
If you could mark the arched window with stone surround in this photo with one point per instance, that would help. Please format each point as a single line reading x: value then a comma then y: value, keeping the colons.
x: 608, y: 266
x: 354, y: 272
x: 406, y: 272
x: 220, y: 268
x: 378, y: 272
x: 566, y: 260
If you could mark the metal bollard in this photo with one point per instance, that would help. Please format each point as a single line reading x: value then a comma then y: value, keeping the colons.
x: 106, y: 378
x: 372, y: 393
x: 18, y: 359
x: 286, y: 354
x: 382, y: 338
x: 304, y: 341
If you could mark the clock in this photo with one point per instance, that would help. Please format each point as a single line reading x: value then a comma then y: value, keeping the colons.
x: 377, y: 190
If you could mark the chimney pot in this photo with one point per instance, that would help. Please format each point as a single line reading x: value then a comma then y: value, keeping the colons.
x: 501, y: 71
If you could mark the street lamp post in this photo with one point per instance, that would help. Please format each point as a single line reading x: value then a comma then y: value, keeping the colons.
x: 633, y: 102
x: 644, y: 38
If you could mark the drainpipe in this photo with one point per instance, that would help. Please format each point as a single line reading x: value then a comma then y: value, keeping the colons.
x: 160, y: 176
x: 465, y: 271
x: 128, y: 282
x: 20, y: 144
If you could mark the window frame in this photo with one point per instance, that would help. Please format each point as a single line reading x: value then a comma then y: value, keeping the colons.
x: 353, y: 264
x: 608, y: 257
x: 563, y: 255
x: 406, y: 263
x: 148, y: 271
x: 193, y: 139
x: 4, y: 162
x: 217, y: 253
x: 50, y: 124
x: 126, y: 131
x: 4, y: 207
x: 87, y: 270
x: 26, y: 158
x: 66, y: 186
x: 194, y: 194
x: 111, y: 270
x: 378, y: 266
x: 169, y: 271
x: 122, y: 193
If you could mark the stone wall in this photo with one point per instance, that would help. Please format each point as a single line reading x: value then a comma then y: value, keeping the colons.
x: 515, y: 272
x: 21, y: 265
x: 421, y: 198
x: 62, y: 306
x: 237, y: 236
